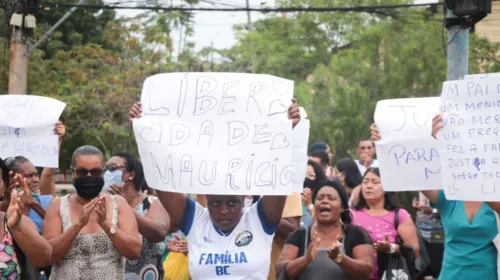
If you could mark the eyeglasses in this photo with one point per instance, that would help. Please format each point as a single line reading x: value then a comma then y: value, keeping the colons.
x: 114, y: 167
x: 83, y: 172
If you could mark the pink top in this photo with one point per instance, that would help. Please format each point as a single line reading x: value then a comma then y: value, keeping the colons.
x: 377, y: 226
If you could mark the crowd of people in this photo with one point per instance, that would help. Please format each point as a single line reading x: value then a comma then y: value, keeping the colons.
x: 342, y: 226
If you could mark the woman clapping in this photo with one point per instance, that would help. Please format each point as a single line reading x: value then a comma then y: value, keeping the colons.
x: 332, y: 248
x: 19, y: 238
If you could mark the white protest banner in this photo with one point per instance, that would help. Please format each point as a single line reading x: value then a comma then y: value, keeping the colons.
x: 300, y: 143
x: 27, y: 125
x: 216, y: 133
x: 481, y: 76
x: 407, y: 153
x: 469, y: 145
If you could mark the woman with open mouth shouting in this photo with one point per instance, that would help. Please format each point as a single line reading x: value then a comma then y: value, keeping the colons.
x: 332, y: 248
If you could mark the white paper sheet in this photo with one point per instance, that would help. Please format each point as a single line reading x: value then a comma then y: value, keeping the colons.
x: 27, y: 125
x: 407, y: 153
x: 300, y: 141
x: 469, y: 141
x: 216, y: 133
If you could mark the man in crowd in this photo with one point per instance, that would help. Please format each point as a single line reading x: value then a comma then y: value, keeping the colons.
x: 366, y: 154
x: 322, y: 146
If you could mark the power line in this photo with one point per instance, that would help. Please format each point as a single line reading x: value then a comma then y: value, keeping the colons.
x: 242, y: 9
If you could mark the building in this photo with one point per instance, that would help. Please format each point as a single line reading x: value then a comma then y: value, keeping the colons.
x: 489, y: 27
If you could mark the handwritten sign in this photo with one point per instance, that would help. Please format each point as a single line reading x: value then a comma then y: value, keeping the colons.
x: 481, y: 76
x: 469, y: 142
x: 407, y: 153
x: 300, y: 141
x: 216, y: 133
x: 27, y: 125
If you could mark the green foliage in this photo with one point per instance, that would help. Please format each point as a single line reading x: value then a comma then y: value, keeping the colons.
x: 97, y: 65
x: 83, y: 27
x: 342, y: 63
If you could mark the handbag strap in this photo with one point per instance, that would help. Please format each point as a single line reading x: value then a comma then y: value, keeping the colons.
x: 399, y: 240
x: 306, y: 239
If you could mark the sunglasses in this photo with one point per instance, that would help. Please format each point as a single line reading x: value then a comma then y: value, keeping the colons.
x: 83, y: 172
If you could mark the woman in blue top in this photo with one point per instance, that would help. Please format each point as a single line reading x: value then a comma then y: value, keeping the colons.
x: 469, y: 229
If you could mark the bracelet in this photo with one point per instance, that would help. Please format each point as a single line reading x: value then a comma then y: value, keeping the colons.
x: 310, y: 207
x: 339, y: 258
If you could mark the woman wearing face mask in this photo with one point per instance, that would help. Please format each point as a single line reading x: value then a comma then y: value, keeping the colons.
x: 315, y: 178
x: 125, y: 177
x: 375, y: 212
x: 332, y: 248
x: 223, y: 239
x: 90, y: 232
x: 347, y: 171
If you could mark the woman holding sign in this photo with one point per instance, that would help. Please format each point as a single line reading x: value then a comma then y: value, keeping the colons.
x: 224, y: 239
x: 469, y: 228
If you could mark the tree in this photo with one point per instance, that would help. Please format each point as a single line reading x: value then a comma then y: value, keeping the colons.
x: 99, y: 81
x: 83, y: 27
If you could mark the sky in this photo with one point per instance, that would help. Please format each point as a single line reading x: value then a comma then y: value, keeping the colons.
x: 216, y: 27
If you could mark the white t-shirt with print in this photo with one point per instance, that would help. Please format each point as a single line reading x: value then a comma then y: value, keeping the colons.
x: 242, y: 254
x: 362, y: 168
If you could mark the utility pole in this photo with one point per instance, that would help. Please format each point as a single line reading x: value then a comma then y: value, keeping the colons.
x: 19, y: 50
x: 18, y: 74
x: 53, y: 28
x: 458, y: 47
x: 461, y: 16
x: 249, y: 19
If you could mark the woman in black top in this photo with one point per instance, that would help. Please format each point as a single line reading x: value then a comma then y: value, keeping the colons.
x: 335, y: 248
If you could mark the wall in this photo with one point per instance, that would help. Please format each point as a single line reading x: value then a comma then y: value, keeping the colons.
x: 490, y: 26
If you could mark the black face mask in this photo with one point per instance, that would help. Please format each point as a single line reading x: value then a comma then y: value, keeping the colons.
x: 308, y: 183
x: 88, y: 187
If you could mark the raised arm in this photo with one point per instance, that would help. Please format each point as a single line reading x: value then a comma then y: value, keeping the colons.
x: 34, y: 246
x: 174, y: 204
x: 126, y: 238
x: 495, y: 205
x: 48, y: 176
x: 154, y: 226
